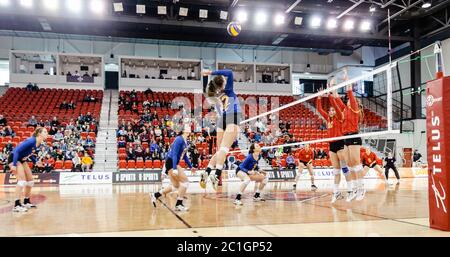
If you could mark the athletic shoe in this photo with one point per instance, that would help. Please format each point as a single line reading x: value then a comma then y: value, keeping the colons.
x: 237, y: 202
x: 19, y: 208
x: 214, y: 181
x: 360, y: 194
x: 29, y: 205
x: 313, y: 187
x: 153, y: 199
x: 351, y: 195
x: 181, y: 208
x: 203, y: 179
x: 258, y: 199
x: 336, y: 196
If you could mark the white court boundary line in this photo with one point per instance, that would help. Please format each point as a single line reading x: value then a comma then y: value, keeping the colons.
x: 387, y: 67
x: 369, y: 134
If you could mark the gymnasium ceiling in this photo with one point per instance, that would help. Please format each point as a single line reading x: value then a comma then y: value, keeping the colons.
x: 127, y: 24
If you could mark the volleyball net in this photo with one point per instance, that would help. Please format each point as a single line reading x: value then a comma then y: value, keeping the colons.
x: 384, y: 97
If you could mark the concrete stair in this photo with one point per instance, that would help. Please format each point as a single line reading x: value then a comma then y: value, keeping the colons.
x: 106, y: 146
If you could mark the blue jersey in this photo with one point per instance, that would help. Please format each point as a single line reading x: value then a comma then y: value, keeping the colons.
x: 178, y: 151
x: 229, y: 100
x: 24, y: 149
x: 249, y: 164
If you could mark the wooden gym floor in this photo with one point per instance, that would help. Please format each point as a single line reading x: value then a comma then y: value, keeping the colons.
x: 125, y: 210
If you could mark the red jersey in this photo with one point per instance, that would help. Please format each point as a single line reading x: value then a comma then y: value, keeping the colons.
x: 351, y: 114
x: 334, y: 124
x: 305, y: 155
x: 368, y: 159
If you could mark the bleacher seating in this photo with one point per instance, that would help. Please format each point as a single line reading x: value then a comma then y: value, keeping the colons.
x: 17, y: 105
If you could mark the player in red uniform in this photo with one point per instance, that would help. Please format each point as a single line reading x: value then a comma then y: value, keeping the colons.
x: 335, y: 119
x: 352, y: 116
x: 369, y: 160
x: 306, y: 156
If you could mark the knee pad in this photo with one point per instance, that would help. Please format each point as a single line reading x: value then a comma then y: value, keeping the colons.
x: 266, y: 180
x: 185, y: 184
x: 246, y: 181
x: 336, y: 172
x: 358, y: 168
x: 30, y: 183
x: 21, y: 183
x: 343, y: 163
x: 224, y: 149
x: 345, y: 170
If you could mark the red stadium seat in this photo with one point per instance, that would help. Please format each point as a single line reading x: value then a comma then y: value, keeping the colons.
x: 58, y: 165
x: 148, y: 164
x: 68, y: 165
x: 139, y: 164
x: 122, y: 164
x: 131, y: 164
x: 157, y: 164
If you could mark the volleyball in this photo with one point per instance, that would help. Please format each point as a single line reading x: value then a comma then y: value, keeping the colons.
x: 234, y: 29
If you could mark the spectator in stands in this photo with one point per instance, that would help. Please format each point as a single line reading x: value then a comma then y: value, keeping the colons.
x: 4, y: 162
x: 3, y: 121
x: 134, y: 108
x: 86, y: 163
x: 195, y: 157
x: 53, y: 130
x: 139, y: 153
x: 46, y: 73
x: 121, y: 143
x: 257, y: 137
x: 147, y: 154
x: 35, y: 87
x: 88, y: 143
x: 32, y: 122
x: 58, y: 137
x: 270, y: 155
x: 320, y: 154
x: 55, y: 122
x: 63, y: 105
x: 8, y: 147
x: 30, y: 87
x: 48, y: 163
x: 70, y: 154
x: 290, y: 161
x: 76, y: 160
x: 130, y: 154
x: 59, y: 155
x: 88, y: 117
x: 86, y: 74
x: 146, y: 104
x: 148, y: 91
x: 76, y: 74
x: 71, y: 105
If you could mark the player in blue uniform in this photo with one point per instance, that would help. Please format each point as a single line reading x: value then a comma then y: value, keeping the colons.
x: 178, y: 179
x: 17, y: 161
x: 220, y: 93
x: 249, y: 171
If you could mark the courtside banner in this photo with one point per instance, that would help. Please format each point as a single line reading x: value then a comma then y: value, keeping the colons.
x: 437, y: 101
x: 80, y: 178
x: 39, y: 178
x: 150, y: 176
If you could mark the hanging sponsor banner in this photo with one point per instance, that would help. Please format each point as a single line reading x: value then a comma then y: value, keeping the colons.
x: 39, y: 178
x: 150, y: 176
x: 80, y: 79
x: 76, y: 178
